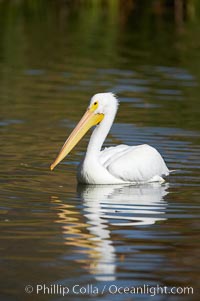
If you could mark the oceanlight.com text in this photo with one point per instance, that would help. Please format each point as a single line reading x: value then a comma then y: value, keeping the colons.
x: 113, y: 289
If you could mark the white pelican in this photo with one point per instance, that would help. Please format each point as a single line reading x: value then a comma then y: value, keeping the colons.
x: 113, y: 165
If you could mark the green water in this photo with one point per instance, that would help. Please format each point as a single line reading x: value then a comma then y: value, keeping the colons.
x: 53, y: 57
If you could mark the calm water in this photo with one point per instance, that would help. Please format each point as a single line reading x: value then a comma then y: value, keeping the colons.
x: 54, y: 232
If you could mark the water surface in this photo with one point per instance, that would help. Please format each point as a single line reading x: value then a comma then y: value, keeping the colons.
x: 56, y: 232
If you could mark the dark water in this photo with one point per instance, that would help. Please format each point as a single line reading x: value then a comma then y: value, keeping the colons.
x: 53, y: 232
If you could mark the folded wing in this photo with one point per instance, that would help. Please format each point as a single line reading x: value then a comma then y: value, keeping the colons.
x: 134, y: 163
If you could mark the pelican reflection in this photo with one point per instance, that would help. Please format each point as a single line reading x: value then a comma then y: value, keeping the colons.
x: 124, y: 205
x: 87, y: 230
x: 118, y: 205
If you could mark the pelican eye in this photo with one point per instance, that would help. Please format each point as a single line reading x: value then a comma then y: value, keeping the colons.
x: 94, y: 106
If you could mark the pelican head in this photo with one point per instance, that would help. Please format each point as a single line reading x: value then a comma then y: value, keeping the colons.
x: 104, y: 103
x: 101, y: 105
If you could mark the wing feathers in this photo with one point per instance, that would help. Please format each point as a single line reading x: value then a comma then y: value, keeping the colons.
x: 134, y: 163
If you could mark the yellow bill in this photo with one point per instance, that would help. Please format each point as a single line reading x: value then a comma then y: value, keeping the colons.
x: 88, y: 120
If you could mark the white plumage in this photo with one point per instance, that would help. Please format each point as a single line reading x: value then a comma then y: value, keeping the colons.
x: 144, y: 163
x: 113, y: 165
